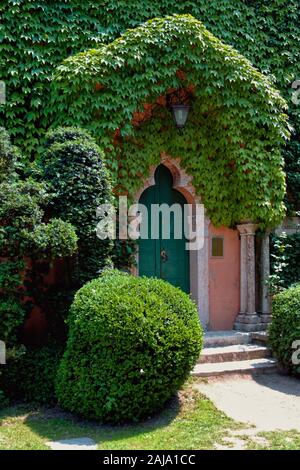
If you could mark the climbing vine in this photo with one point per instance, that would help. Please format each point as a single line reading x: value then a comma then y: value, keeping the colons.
x: 232, y: 143
x: 36, y: 35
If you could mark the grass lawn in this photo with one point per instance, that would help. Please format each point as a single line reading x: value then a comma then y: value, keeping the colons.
x: 190, y: 422
x: 279, y: 440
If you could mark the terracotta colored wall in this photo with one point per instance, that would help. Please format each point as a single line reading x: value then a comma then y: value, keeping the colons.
x: 224, y: 281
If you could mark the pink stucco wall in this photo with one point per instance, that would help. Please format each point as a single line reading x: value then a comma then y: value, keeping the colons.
x: 224, y: 280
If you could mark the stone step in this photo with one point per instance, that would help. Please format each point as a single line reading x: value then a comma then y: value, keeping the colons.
x: 225, y: 338
x: 218, y: 369
x: 238, y: 352
x: 260, y: 337
x: 250, y: 327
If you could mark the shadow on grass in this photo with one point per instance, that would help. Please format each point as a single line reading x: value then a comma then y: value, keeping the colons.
x: 55, y: 424
x: 190, y: 421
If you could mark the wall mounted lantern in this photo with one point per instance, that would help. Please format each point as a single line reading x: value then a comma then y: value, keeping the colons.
x: 180, y: 114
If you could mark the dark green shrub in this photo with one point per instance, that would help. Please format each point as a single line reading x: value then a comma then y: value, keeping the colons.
x: 83, y: 185
x: 66, y: 134
x: 25, y: 237
x: 132, y: 343
x: 12, y: 312
x: 3, y: 400
x: 31, y: 375
x: 285, y: 327
x: 23, y: 234
x: 55, y: 239
x: 285, y: 259
x: 12, y: 315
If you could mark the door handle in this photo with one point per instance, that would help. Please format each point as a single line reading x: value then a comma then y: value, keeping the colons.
x: 164, y: 256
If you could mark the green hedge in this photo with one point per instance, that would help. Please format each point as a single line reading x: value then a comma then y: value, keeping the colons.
x: 3, y: 400
x: 132, y: 343
x: 285, y: 328
x: 30, y: 375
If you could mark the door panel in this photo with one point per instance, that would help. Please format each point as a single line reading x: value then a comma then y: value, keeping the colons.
x: 164, y: 258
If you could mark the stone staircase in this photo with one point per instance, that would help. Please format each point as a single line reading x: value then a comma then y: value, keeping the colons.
x: 234, y: 352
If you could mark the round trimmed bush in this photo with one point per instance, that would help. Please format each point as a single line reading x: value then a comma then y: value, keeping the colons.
x: 285, y: 328
x: 132, y: 343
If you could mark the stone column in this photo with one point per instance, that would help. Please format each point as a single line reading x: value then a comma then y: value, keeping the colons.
x: 265, y: 273
x: 248, y: 319
x: 199, y: 277
x: 243, y: 273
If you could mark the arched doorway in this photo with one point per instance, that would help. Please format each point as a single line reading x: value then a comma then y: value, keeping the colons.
x: 164, y: 255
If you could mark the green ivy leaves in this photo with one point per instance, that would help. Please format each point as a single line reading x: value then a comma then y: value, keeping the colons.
x: 231, y: 145
x: 267, y: 33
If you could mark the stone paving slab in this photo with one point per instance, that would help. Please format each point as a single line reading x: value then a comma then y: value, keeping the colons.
x: 268, y: 401
x: 81, y: 443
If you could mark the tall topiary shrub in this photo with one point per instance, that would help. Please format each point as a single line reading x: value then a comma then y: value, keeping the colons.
x: 132, y: 343
x: 74, y: 169
x: 24, y: 234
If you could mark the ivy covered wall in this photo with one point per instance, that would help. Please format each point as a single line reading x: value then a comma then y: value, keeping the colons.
x: 231, y: 145
x: 36, y: 35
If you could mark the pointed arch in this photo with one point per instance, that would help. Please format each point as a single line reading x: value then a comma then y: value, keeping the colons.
x: 198, y: 261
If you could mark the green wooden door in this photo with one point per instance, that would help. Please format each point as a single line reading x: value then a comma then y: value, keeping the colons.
x: 164, y: 258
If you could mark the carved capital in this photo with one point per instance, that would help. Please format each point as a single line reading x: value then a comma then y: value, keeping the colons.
x: 248, y: 228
